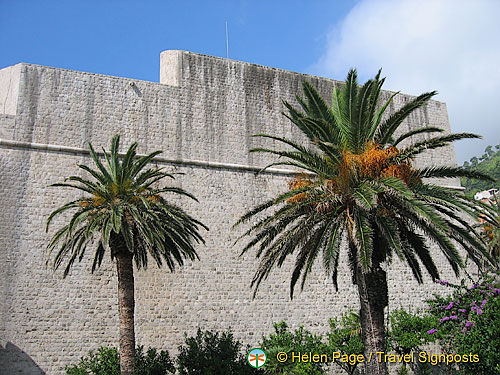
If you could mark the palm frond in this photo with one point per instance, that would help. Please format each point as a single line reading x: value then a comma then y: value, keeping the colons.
x: 387, y: 128
x: 379, y: 113
x: 412, y: 133
x: 451, y: 172
x: 364, y: 239
x: 433, y: 143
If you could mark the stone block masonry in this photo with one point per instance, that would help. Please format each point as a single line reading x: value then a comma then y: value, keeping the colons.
x: 202, y: 115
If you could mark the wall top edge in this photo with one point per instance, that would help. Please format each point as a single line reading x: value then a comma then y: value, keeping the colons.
x: 99, y: 75
x: 305, y: 75
x: 207, y: 57
x: 259, y: 66
x: 14, y: 65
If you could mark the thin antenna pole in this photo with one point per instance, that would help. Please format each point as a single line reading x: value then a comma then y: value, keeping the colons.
x: 227, y: 43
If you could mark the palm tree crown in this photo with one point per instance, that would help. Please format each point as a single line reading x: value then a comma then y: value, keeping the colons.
x: 122, y: 204
x: 360, y: 185
x: 360, y: 182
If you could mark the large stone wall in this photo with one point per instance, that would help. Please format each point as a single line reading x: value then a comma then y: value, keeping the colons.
x: 201, y: 115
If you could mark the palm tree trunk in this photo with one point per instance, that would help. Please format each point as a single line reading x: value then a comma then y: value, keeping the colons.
x: 373, y: 298
x: 126, y: 306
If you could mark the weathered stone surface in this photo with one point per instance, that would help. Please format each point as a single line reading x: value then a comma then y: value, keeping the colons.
x: 205, y: 110
x: 9, y: 87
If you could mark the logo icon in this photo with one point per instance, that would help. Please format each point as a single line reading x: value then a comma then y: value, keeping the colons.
x: 256, y: 358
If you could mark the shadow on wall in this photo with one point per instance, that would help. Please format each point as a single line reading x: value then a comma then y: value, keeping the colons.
x: 14, y: 361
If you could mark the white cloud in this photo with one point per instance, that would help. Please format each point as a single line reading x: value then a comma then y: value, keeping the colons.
x: 452, y: 46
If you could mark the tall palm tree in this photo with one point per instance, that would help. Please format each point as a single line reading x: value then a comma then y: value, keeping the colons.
x: 360, y: 188
x: 123, y: 211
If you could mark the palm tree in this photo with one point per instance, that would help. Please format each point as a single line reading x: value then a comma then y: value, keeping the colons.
x: 359, y: 187
x: 123, y: 211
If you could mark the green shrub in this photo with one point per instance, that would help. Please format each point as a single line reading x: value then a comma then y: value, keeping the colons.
x: 210, y: 353
x: 408, y: 332
x: 103, y: 361
x: 345, y: 337
x: 153, y: 362
x: 106, y: 361
x: 283, y: 340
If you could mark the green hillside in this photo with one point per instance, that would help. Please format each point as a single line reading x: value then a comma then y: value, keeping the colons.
x: 488, y: 163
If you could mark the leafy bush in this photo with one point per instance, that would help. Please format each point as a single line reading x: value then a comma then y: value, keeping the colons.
x: 209, y: 353
x: 408, y: 333
x: 153, y: 362
x: 283, y: 340
x: 469, y: 323
x: 345, y: 337
x: 106, y: 361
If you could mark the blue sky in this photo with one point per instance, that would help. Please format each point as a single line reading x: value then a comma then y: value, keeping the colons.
x: 125, y: 38
x: 452, y: 46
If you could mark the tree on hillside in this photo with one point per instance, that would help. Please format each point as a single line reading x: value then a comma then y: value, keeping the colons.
x: 489, y: 151
x: 490, y: 165
x: 123, y: 212
x: 360, y: 188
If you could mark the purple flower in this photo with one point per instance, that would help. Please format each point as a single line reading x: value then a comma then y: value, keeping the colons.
x: 443, y: 282
x: 483, y: 303
x: 454, y: 317
x: 462, y: 310
x: 468, y: 324
x: 479, y: 311
x: 431, y: 331
x: 444, y: 319
x: 449, y: 306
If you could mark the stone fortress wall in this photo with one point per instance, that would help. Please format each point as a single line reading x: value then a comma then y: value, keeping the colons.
x: 202, y: 115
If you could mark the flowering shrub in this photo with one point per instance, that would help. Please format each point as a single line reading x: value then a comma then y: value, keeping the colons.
x: 469, y: 322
